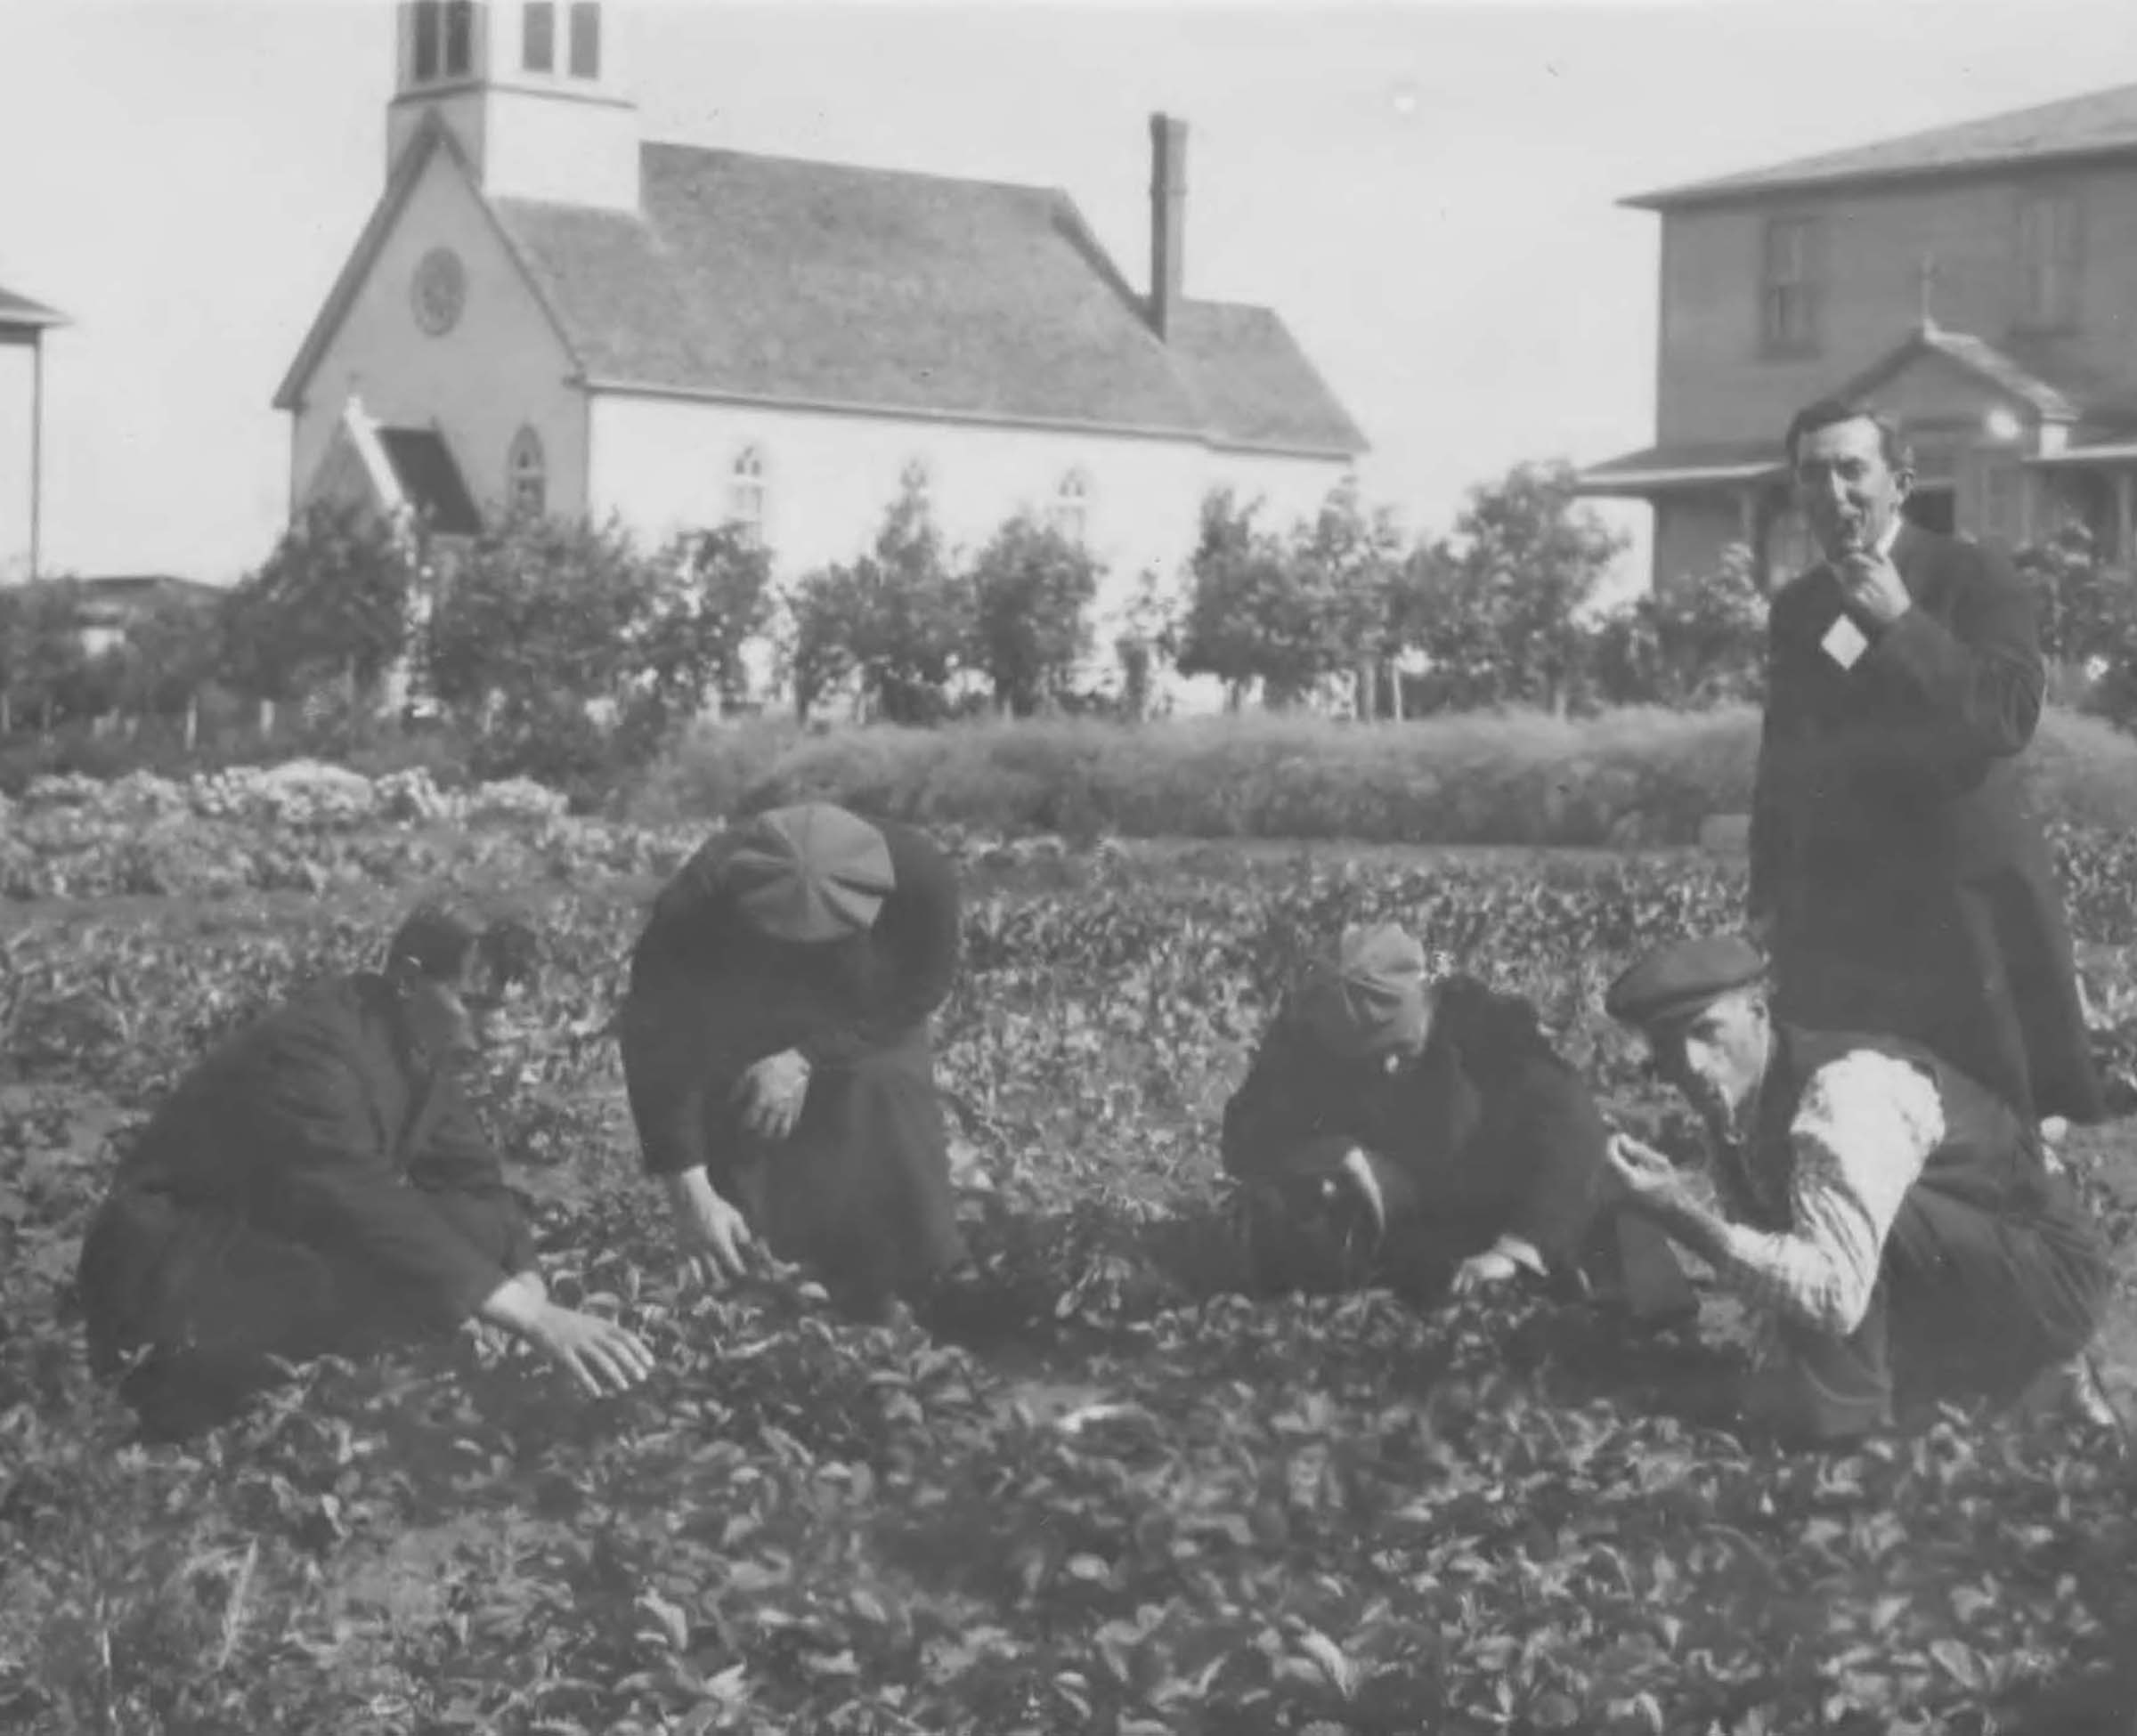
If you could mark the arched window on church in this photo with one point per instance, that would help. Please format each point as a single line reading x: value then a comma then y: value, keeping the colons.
x: 1070, y: 513
x: 746, y: 493
x: 527, y: 475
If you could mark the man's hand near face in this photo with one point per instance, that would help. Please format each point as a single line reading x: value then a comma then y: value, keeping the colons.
x: 1872, y: 583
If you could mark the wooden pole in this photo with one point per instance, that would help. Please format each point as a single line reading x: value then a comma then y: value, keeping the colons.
x: 36, y: 449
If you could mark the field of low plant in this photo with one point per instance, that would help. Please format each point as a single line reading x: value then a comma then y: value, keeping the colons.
x: 1123, y: 1501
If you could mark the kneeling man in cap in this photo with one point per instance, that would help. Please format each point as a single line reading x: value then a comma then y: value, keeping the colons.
x: 1892, y: 1220
x: 1426, y: 1133
x: 775, y: 1047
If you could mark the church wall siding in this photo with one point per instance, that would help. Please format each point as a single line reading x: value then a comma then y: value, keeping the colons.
x: 665, y: 464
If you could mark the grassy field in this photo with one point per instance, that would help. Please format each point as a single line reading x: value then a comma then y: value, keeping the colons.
x: 1123, y: 1502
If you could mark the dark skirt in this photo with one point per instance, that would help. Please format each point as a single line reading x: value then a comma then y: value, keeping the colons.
x: 859, y: 1193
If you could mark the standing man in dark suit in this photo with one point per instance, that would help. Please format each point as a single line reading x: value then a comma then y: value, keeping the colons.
x: 1899, y: 875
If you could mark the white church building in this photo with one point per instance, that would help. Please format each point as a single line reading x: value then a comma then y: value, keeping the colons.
x: 546, y: 311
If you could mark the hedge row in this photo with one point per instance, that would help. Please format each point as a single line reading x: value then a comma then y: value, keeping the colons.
x: 1635, y: 777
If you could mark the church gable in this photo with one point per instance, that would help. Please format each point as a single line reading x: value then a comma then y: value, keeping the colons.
x: 430, y: 208
x: 435, y: 326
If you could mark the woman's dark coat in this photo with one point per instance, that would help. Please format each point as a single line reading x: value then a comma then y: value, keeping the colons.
x: 860, y: 1189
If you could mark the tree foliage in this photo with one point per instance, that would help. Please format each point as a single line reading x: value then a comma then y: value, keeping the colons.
x: 562, y: 642
x: 2088, y: 608
x: 331, y: 601
x: 1696, y: 644
x: 1257, y: 613
x: 45, y: 668
x: 898, y: 619
x: 1500, y: 609
x: 1032, y: 591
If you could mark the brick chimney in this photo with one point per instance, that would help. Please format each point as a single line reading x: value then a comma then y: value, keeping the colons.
x: 1168, y: 219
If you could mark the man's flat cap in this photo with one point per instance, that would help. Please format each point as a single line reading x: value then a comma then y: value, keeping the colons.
x: 812, y: 872
x: 1680, y: 977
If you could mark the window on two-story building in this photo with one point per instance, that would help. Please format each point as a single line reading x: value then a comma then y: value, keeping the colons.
x: 586, y: 39
x: 538, y: 36
x: 746, y: 493
x: 2048, y: 257
x: 1788, y: 301
x: 527, y: 475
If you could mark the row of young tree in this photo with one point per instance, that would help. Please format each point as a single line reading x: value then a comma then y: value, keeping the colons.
x: 576, y: 639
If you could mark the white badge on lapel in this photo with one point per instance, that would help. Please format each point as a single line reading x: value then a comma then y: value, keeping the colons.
x: 1844, y: 642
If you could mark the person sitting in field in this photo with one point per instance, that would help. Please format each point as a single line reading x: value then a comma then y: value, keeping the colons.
x: 1893, y: 1221
x: 320, y: 1184
x: 776, y: 1047
x: 1426, y: 1132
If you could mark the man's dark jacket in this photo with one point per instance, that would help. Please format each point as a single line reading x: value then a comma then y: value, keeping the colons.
x: 311, y: 1163
x: 1486, y: 1133
x: 1893, y: 841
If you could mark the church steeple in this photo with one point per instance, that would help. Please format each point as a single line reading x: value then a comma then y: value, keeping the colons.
x: 530, y: 88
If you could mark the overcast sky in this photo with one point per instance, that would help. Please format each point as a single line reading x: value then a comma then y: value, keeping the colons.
x: 1426, y: 191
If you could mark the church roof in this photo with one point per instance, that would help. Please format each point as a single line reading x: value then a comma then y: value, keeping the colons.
x: 2098, y: 124
x: 822, y: 285
x: 819, y: 283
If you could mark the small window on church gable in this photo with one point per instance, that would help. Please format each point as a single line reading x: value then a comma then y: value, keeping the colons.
x: 527, y: 475
x: 538, y: 36
x: 745, y: 494
x: 1070, y: 514
x: 460, y: 37
x: 586, y: 39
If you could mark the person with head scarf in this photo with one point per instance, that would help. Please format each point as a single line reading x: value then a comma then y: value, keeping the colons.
x: 1892, y: 1222
x: 777, y: 1050
x: 1426, y: 1131
x: 320, y: 1184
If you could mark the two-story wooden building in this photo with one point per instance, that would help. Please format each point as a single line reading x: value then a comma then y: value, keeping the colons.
x: 1979, y: 282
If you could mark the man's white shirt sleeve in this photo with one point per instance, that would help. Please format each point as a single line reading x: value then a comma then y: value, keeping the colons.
x: 1865, y: 1126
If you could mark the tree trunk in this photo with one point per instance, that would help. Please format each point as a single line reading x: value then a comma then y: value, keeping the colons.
x: 7, y: 715
x: 266, y: 718
x: 193, y: 721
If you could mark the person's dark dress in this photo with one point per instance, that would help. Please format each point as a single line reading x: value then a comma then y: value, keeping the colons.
x: 311, y: 1187
x: 1488, y: 1133
x: 1893, y: 846
x: 859, y: 1191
